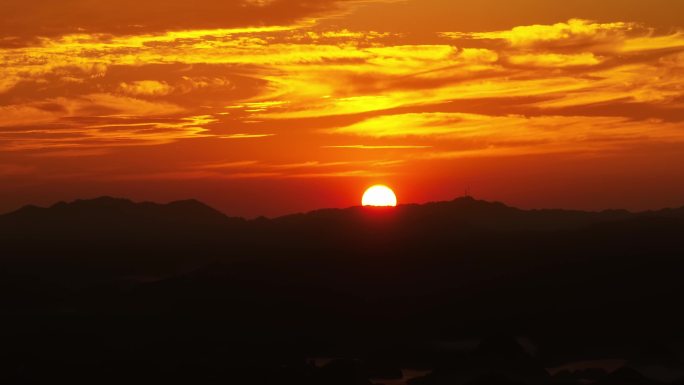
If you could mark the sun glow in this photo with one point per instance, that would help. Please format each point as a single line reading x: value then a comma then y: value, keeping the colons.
x: 379, y: 196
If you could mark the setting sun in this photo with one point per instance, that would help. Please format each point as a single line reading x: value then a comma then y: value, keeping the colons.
x: 380, y: 196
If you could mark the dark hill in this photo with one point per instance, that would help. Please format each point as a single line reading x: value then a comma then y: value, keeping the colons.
x: 117, y: 237
x: 160, y: 291
x: 463, y: 212
x: 108, y: 217
x: 114, y: 217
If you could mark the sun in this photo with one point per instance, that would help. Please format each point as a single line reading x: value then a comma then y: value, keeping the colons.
x: 380, y: 196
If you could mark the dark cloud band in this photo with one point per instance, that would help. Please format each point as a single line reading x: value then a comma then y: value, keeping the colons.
x: 21, y: 21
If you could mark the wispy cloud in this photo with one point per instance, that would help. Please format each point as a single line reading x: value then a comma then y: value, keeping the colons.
x: 245, y: 136
x: 378, y: 147
x: 472, y: 133
x: 21, y: 23
x: 279, y: 90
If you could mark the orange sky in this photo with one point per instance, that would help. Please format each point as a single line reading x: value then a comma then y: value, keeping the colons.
x: 266, y: 107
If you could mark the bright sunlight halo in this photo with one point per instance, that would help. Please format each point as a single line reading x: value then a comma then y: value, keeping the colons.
x: 379, y: 195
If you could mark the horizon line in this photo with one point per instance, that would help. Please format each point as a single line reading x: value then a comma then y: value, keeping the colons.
x: 256, y: 217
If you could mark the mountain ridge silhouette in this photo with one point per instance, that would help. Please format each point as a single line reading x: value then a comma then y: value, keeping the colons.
x: 192, y: 210
x: 395, y: 286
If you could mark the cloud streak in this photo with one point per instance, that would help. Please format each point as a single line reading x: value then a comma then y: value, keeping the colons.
x: 22, y: 22
x: 192, y: 99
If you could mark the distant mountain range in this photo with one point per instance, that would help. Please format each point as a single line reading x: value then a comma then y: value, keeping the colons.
x: 581, y: 284
x: 428, y: 248
x: 115, y: 217
x: 110, y: 217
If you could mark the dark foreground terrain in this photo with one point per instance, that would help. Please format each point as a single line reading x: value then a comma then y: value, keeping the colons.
x: 463, y: 292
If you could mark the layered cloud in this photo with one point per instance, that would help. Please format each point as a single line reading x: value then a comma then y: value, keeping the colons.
x: 260, y: 80
x: 22, y: 22
x: 574, y: 34
x: 275, y: 171
x: 481, y: 135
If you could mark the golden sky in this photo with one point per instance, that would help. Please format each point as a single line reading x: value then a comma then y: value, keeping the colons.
x: 275, y: 106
